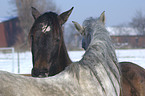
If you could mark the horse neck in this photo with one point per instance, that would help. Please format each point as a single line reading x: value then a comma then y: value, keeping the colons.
x: 101, y: 51
x: 100, y: 58
x: 61, y: 61
x: 63, y: 55
x: 102, y: 40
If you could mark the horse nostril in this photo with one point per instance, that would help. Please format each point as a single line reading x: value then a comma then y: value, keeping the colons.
x: 44, y: 71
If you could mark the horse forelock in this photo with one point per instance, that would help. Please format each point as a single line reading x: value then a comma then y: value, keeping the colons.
x: 57, y: 30
x: 49, y: 21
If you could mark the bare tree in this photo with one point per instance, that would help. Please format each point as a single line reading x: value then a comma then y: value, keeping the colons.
x: 72, y: 37
x: 24, y: 12
x: 121, y: 29
x: 138, y: 22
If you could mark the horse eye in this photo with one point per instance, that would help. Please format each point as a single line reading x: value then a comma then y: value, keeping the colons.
x: 57, y: 40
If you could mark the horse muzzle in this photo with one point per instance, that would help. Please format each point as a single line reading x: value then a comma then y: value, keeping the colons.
x: 40, y: 72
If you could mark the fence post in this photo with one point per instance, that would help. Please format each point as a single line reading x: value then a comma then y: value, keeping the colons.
x: 13, y: 55
x: 18, y: 62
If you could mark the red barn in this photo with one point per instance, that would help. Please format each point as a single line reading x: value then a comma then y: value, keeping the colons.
x: 9, y: 31
x: 126, y: 37
x: 137, y: 41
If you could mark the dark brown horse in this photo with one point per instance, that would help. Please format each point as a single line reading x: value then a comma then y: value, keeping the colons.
x: 49, y: 52
x: 133, y: 79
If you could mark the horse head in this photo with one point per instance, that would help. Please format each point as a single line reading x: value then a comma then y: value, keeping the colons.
x: 46, y: 40
x: 86, y: 30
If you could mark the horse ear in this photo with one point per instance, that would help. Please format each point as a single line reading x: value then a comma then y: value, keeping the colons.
x: 102, y: 17
x: 35, y: 13
x: 64, y: 16
x: 78, y: 27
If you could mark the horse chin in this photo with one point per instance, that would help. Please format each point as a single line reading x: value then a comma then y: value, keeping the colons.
x: 43, y: 75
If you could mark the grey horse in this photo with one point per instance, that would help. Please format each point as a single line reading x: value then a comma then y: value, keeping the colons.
x: 132, y: 75
x: 96, y: 74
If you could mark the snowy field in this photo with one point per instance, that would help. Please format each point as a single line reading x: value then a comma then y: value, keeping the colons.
x: 9, y: 62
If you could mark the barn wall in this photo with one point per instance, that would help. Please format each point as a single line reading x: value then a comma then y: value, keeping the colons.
x: 9, y: 32
x: 133, y: 41
x: 3, y: 42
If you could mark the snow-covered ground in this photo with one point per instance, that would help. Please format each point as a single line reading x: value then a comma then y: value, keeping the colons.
x: 25, y: 62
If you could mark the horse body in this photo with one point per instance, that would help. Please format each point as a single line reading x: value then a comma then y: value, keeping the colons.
x: 95, y: 74
x: 16, y: 85
x: 133, y: 76
x: 76, y: 80
x: 63, y: 84
x: 96, y: 37
x: 133, y: 79
x: 49, y: 52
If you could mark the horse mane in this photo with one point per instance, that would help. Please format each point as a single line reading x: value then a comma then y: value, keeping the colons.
x: 101, y: 52
x: 101, y: 40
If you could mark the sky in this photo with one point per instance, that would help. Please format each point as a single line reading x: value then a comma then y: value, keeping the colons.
x: 116, y: 11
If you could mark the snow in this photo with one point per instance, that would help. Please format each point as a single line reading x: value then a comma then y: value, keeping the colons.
x: 121, y: 31
x: 133, y: 55
x: 6, y: 60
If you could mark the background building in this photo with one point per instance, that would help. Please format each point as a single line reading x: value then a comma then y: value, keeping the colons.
x: 10, y: 32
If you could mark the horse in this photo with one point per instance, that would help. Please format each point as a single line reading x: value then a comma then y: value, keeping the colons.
x: 133, y: 79
x: 133, y: 76
x: 97, y: 73
x: 49, y: 53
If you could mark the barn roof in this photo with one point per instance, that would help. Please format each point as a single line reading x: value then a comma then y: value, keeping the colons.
x: 122, y: 31
x: 3, y: 19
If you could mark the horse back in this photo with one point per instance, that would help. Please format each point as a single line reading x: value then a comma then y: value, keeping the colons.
x: 133, y: 79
